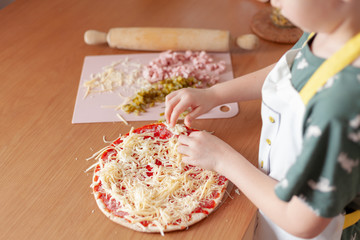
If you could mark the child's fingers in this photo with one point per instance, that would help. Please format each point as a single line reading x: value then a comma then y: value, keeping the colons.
x: 188, y: 160
x: 170, y: 103
x: 179, y: 108
x: 183, y: 149
x: 184, y: 140
x: 192, y: 115
x: 177, y: 102
x: 174, y: 106
x: 170, y: 96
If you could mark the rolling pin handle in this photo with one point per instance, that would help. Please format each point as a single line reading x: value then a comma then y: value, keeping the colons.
x: 93, y: 37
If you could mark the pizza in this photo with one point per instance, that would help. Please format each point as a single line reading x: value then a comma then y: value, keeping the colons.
x: 141, y: 183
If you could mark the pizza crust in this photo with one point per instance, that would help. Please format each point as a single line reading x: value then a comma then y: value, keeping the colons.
x: 151, y: 228
x: 196, y: 217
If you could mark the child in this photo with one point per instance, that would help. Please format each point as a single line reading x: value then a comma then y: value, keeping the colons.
x: 310, y: 139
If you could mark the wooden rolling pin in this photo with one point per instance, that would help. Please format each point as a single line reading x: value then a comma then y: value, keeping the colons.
x: 161, y: 39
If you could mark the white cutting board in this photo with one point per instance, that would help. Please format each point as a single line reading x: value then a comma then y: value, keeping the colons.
x: 91, y: 109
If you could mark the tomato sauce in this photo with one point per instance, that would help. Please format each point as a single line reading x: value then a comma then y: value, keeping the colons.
x: 160, y: 131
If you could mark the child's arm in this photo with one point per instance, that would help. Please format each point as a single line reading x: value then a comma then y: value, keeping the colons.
x: 207, y: 151
x: 247, y: 87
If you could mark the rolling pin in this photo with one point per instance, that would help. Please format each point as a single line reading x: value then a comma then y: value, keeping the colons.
x: 161, y: 39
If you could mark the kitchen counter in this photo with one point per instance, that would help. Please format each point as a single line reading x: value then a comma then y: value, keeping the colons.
x: 44, y: 190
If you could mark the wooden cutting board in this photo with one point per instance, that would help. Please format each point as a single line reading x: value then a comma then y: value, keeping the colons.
x: 262, y: 26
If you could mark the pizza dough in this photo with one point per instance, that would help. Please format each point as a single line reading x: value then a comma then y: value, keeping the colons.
x: 141, y: 183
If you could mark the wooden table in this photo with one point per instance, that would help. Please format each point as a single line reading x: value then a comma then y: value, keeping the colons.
x: 44, y: 192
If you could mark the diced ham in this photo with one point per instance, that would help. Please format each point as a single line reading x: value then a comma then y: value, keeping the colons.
x: 189, y: 64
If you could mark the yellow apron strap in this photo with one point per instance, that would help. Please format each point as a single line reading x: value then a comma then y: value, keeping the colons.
x: 351, y: 219
x: 309, y: 37
x: 338, y: 61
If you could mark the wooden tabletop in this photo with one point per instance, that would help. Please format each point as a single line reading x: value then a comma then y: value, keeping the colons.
x: 44, y: 191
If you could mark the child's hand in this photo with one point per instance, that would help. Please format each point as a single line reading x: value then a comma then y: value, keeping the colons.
x: 204, y: 150
x: 199, y: 101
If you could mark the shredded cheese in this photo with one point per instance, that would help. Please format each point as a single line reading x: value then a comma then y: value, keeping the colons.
x: 177, y: 129
x: 146, y: 178
x: 120, y: 73
x: 122, y: 119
